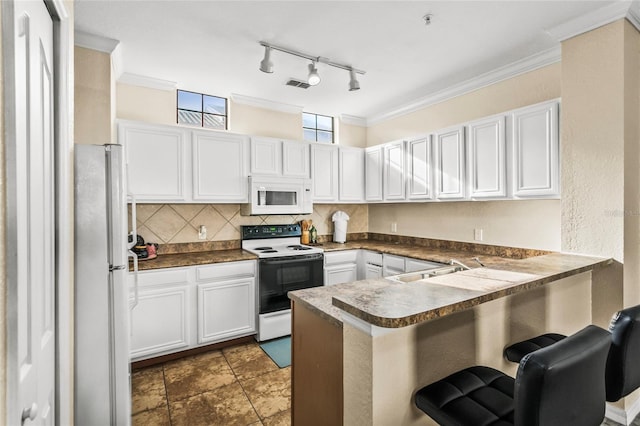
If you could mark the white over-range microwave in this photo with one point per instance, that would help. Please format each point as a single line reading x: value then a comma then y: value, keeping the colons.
x: 278, y: 195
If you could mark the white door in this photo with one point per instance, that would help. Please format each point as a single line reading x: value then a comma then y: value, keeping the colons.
x: 373, y: 173
x: 324, y: 172
x: 394, y: 184
x: 450, y: 164
x: 351, y: 174
x: 30, y: 181
x: 419, y: 169
x: 487, y: 158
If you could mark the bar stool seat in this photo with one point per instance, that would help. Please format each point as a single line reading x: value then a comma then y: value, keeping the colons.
x: 562, y: 384
x: 517, y: 351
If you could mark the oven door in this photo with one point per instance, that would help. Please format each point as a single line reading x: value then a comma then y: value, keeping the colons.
x: 280, y: 275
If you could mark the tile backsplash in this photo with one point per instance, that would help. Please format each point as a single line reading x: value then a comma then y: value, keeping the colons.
x: 179, y: 223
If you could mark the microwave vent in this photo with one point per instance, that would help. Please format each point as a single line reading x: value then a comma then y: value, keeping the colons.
x: 298, y: 83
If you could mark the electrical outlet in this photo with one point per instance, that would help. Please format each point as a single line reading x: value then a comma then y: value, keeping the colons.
x: 394, y: 226
x: 202, y: 232
x: 477, y: 234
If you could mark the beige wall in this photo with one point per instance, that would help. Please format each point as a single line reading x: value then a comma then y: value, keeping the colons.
x: 352, y: 135
x: 144, y: 104
x: 250, y: 120
x: 93, y: 93
x: 532, y: 224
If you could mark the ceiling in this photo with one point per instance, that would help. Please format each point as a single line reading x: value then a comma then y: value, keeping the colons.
x: 212, y: 46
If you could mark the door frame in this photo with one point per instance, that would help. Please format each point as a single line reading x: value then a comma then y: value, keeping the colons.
x: 63, y: 163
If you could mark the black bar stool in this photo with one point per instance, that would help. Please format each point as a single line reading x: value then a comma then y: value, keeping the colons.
x: 623, y: 365
x: 562, y: 384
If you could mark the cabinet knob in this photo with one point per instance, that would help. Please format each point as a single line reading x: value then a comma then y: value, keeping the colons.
x: 30, y: 413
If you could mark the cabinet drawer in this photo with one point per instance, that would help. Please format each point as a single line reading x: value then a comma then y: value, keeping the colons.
x: 160, y: 277
x: 349, y: 256
x: 226, y: 270
x: 373, y: 258
x: 412, y: 265
x: 394, y: 262
x: 340, y: 274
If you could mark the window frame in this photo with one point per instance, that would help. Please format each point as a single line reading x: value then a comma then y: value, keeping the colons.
x: 202, y: 112
x: 316, y: 129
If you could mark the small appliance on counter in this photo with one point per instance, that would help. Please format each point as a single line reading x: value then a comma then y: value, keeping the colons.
x: 340, y: 219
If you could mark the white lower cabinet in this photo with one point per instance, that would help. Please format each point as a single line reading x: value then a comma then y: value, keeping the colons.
x: 182, y: 308
x: 161, y: 321
x: 226, y: 301
x: 340, y: 267
x: 392, y: 265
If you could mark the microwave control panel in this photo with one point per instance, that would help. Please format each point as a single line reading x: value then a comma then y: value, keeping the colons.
x: 253, y: 232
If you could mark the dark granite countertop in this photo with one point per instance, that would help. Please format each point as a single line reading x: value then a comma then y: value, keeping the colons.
x: 175, y: 260
x: 391, y: 304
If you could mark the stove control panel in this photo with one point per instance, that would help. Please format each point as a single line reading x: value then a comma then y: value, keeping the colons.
x: 254, y: 232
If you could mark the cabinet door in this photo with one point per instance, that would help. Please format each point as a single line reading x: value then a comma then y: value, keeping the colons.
x: 373, y: 173
x: 419, y: 185
x: 157, y: 159
x: 450, y: 164
x: 413, y: 265
x: 351, y: 174
x: 341, y: 274
x: 226, y: 309
x: 535, y: 151
x: 487, y: 158
x: 392, y: 265
x: 266, y: 156
x: 372, y: 271
x: 324, y: 169
x: 220, y: 165
x: 161, y: 321
x: 295, y: 159
x: 394, y: 184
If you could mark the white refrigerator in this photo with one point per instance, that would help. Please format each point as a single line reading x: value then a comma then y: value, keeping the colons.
x: 102, y: 369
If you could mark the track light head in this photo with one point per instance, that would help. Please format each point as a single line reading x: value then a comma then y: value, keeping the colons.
x: 314, y: 77
x: 353, y: 81
x: 266, y: 65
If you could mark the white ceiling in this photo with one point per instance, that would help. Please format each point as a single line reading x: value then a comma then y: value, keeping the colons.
x: 212, y: 46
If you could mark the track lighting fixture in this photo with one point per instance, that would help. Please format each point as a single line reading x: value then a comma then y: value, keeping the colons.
x: 266, y: 65
x: 353, y: 82
x: 314, y: 78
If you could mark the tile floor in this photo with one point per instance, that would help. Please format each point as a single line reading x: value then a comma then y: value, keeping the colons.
x: 239, y: 385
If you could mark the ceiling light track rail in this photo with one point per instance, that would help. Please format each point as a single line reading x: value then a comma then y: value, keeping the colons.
x: 318, y: 59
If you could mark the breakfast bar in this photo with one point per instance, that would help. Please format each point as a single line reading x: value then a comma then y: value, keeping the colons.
x: 361, y: 350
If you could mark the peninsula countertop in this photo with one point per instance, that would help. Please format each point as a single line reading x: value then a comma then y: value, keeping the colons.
x: 386, y: 303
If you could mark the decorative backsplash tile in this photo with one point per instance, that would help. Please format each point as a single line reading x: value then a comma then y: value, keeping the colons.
x: 179, y: 223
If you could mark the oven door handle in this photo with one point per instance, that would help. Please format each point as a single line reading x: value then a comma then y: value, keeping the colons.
x: 291, y: 259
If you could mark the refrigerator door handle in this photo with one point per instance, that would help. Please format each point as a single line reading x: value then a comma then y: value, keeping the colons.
x: 117, y: 268
x: 135, y: 280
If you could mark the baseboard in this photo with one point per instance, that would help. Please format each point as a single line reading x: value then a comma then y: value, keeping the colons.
x: 622, y: 416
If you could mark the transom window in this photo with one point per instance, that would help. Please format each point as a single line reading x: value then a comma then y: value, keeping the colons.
x: 317, y: 128
x: 197, y: 109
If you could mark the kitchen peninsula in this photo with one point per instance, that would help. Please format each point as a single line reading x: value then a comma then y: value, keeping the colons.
x: 361, y: 349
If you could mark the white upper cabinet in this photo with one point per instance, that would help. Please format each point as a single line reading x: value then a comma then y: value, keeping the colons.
x: 266, y: 156
x: 220, y: 167
x: 393, y: 180
x: 351, y: 173
x: 486, y: 157
x: 278, y: 157
x: 324, y: 172
x: 373, y: 173
x: 157, y: 161
x: 295, y: 159
x: 419, y: 169
x: 535, y: 151
x: 449, y: 156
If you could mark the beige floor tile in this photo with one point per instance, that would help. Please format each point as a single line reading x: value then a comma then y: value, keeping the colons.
x: 147, y: 389
x: 227, y: 405
x: 196, y: 374
x: 283, y: 418
x: 248, y: 361
x: 155, y: 417
x: 270, y: 393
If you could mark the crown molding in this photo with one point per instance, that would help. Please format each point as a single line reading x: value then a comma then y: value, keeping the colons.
x: 353, y: 120
x: 95, y: 42
x: 266, y: 104
x: 590, y: 21
x: 148, y: 82
x: 506, y: 72
x: 633, y: 15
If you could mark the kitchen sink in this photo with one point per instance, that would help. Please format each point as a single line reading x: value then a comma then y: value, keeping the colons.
x: 427, y: 273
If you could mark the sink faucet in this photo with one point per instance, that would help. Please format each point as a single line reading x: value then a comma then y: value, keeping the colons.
x: 477, y: 259
x: 455, y: 262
